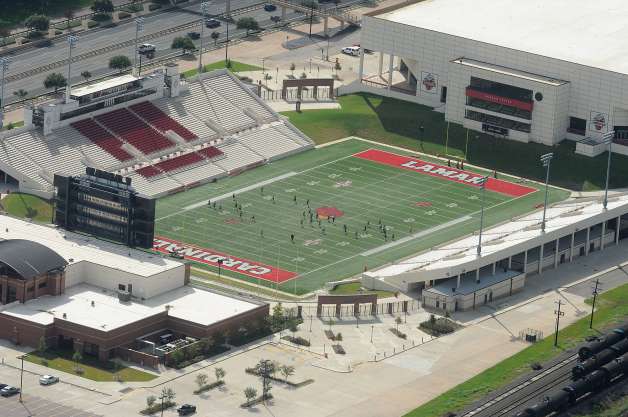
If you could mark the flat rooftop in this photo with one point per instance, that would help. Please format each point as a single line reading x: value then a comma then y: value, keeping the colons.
x: 76, y: 247
x: 580, y: 31
x: 510, y: 236
x: 103, y: 85
x: 108, y: 313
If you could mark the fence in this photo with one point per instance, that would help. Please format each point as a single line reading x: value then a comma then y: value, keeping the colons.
x: 291, y: 94
x: 348, y: 310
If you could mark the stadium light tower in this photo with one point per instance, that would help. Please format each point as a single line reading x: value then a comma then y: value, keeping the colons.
x: 4, y: 66
x: 607, y: 138
x: 72, y: 41
x: 546, y: 160
x: 139, y: 27
x: 204, y: 11
x: 483, y: 186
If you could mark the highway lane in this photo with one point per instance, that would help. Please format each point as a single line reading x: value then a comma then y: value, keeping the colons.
x: 91, y: 41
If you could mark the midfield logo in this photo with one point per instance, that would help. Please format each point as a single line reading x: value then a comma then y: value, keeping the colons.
x: 452, y: 174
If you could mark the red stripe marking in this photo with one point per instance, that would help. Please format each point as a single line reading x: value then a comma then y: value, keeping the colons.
x: 444, y: 172
x: 231, y: 263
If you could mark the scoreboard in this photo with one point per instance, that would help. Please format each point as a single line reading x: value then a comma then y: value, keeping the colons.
x: 104, y: 205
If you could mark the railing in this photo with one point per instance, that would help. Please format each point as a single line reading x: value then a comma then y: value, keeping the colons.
x: 323, y: 93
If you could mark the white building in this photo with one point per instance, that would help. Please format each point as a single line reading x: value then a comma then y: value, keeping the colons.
x: 532, y: 71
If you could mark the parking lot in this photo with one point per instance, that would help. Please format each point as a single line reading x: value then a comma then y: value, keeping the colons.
x: 46, y: 401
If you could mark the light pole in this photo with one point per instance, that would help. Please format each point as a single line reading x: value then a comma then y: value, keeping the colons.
x: 607, y: 138
x: 546, y: 160
x: 72, y: 41
x: 139, y: 27
x: 483, y: 187
x: 227, y: 48
x: 21, y: 377
x: 4, y: 65
x: 204, y: 11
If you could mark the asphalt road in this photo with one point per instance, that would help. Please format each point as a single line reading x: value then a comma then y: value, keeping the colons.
x: 106, y: 39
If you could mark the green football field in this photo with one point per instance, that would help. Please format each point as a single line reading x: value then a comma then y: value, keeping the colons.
x: 352, y: 197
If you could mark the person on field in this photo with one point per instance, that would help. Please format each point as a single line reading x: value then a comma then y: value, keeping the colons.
x: 292, y: 237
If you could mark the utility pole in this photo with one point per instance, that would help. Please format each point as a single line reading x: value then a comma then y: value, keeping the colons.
x: 227, y: 48
x: 139, y: 27
x: 558, y: 314
x: 21, y: 377
x: 204, y: 11
x: 595, y: 293
x: 311, y: 15
x: 546, y: 160
x: 72, y: 41
x: 4, y: 66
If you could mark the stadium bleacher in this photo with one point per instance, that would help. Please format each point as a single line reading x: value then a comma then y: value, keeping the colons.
x: 153, y: 115
x: 133, y: 130
x: 102, y: 138
x: 179, y: 162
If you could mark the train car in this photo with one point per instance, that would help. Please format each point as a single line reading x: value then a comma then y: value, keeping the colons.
x: 620, y: 347
x: 594, y: 362
x: 616, y: 367
x: 593, y: 347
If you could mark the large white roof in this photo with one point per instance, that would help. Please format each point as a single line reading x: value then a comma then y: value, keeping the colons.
x: 108, y: 313
x: 505, y: 239
x: 591, y: 33
x: 76, y: 248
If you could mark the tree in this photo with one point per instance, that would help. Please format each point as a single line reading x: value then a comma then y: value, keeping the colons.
x: 215, y: 36
x: 86, y: 74
x: 37, y: 22
x: 184, y: 43
x: 292, y: 68
x: 5, y: 31
x: 176, y: 357
x: 310, y: 4
x: 201, y: 380
x: 77, y: 357
x: 277, y: 318
x: 166, y: 396
x: 264, y: 369
x: 119, y: 62
x: 398, y: 322
x: 275, y: 19
x: 102, y: 6
x: 206, y: 344
x: 21, y: 94
x: 220, y: 373
x: 247, y: 23
x: 150, y: 401
x: 55, y: 80
x: 286, y: 371
x: 249, y: 393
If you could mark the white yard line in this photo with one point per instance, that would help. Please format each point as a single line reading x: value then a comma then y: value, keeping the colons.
x: 416, y: 235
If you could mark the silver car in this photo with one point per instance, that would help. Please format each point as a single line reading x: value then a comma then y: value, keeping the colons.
x: 48, y: 380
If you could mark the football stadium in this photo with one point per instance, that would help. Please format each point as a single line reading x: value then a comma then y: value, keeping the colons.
x: 334, y: 212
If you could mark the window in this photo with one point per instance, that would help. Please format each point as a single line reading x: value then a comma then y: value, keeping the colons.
x: 122, y: 287
x: 42, y: 284
x: 577, y: 126
x: 443, y: 95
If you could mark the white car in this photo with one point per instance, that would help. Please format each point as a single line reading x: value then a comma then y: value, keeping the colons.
x: 351, y: 50
x: 48, y: 380
x: 146, y: 48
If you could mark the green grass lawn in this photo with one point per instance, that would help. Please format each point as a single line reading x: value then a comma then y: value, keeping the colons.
x: 15, y: 12
x: 235, y: 67
x: 356, y: 288
x: 396, y: 122
x: 61, y: 360
x: 27, y: 205
x: 366, y: 192
x: 13, y: 125
x: 611, y: 309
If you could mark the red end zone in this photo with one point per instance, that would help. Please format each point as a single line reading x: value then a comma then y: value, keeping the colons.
x: 211, y: 257
x: 448, y: 173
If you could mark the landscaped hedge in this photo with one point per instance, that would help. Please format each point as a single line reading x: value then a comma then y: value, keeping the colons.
x: 333, y: 336
x: 92, y: 24
x: 437, y: 327
x: 398, y: 333
x: 214, y: 351
x: 298, y: 340
x: 208, y: 387
x: 338, y: 349
x: 154, y: 6
x: 124, y: 15
x: 157, y: 407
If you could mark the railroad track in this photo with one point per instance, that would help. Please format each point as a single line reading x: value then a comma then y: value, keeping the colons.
x: 507, y: 402
x: 120, y: 45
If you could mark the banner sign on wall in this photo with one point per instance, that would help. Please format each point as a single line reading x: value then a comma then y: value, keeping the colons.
x: 429, y: 82
x: 598, y: 122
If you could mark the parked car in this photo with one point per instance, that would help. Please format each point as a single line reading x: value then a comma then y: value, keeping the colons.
x: 212, y: 23
x: 270, y: 7
x: 186, y: 409
x: 48, y: 380
x: 351, y: 50
x: 9, y: 391
x: 146, y: 48
x: 2, y: 386
x: 194, y: 35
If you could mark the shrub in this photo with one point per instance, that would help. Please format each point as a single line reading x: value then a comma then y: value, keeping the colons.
x: 101, y: 17
x: 398, y: 333
x: 437, y: 327
x: 92, y: 24
x: 124, y: 15
x: 210, y: 386
x: 154, y: 6
x: 35, y: 35
x: 297, y: 340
